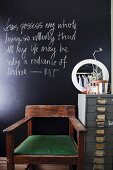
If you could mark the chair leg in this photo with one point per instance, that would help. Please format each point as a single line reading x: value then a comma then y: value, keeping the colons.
x: 10, y: 165
x: 81, y: 142
x: 70, y: 167
x: 31, y: 167
x: 10, y: 150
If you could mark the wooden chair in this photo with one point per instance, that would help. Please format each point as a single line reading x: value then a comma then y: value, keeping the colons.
x: 46, y: 149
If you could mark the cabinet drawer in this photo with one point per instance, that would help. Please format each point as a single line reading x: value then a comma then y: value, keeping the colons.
x: 93, y: 116
x: 102, y: 145
x: 92, y: 138
x: 105, y: 160
x: 106, y: 124
x: 95, y: 131
x: 99, y: 100
x: 99, y: 153
x: 101, y: 167
x: 98, y: 108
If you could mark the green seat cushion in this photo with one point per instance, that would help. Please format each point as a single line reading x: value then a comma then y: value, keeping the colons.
x: 47, y: 145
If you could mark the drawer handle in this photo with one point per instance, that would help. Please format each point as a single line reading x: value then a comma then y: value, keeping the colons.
x: 98, y: 167
x: 101, y: 108
x: 100, y: 132
x: 100, y: 145
x: 100, y: 118
x: 99, y: 152
x: 98, y: 160
x: 100, y: 139
x: 100, y: 124
x: 101, y: 100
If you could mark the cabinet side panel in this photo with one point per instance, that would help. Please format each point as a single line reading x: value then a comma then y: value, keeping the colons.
x: 82, y: 108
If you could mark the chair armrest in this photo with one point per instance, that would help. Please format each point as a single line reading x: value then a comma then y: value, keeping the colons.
x: 17, y: 124
x: 77, y: 125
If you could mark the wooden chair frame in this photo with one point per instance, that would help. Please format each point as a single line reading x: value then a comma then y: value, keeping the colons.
x: 34, y: 111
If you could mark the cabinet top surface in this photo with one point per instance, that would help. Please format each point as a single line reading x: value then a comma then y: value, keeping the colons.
x: 95, y: 95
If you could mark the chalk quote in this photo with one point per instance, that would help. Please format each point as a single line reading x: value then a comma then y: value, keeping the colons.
x: 38, y: 47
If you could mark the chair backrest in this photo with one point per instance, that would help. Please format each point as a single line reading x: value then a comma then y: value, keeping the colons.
x: 50, y: 110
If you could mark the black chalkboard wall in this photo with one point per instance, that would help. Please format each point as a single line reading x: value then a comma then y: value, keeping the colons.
x: 40, y: 43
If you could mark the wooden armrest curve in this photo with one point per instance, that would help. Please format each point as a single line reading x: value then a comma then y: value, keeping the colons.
x: 17, y: 124
x: 77, y: 125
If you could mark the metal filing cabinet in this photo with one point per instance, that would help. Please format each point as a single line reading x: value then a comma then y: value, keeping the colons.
x: 96, y: 113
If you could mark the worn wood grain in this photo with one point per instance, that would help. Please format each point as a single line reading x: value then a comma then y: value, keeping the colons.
x: 3, y: 166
